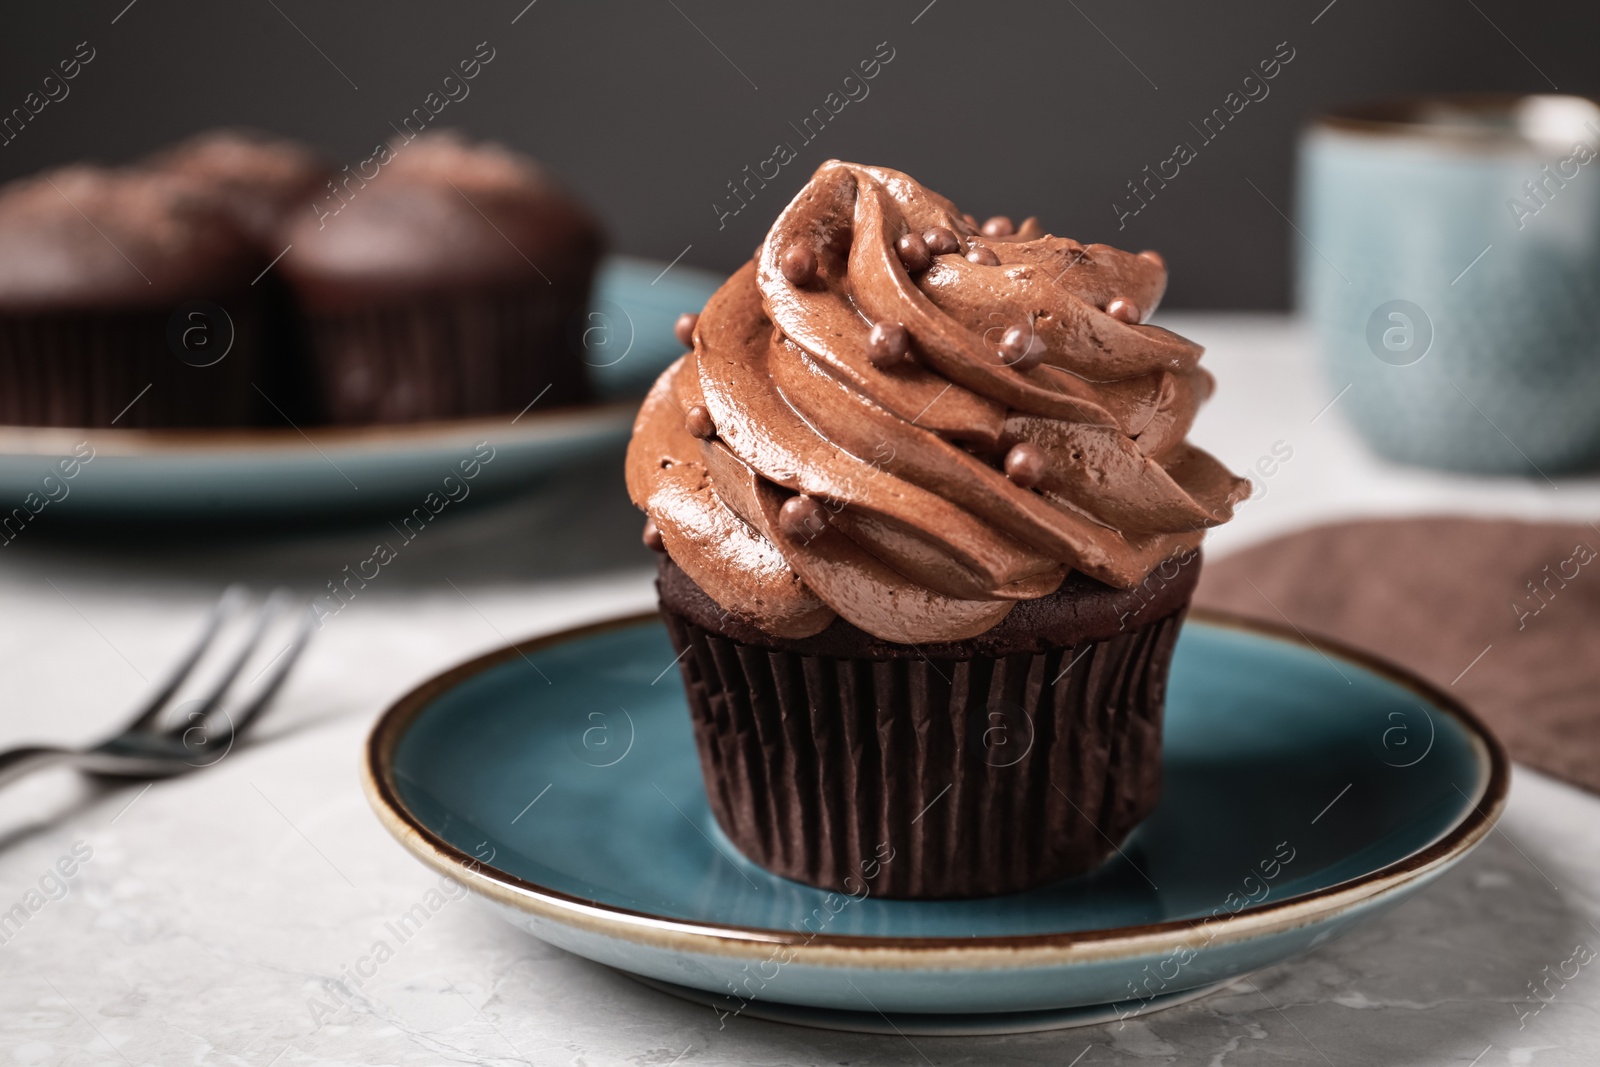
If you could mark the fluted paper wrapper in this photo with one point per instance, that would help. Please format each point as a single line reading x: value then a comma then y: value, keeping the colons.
x: 929, y: 778
x: 73, y: 368
x: 443, y: 356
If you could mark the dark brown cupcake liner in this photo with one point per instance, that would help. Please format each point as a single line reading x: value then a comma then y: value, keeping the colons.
x: 442, y: 356
x: 72, y: 368
x: 929, y: 778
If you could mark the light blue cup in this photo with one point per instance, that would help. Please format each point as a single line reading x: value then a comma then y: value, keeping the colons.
x: 1450, y: 266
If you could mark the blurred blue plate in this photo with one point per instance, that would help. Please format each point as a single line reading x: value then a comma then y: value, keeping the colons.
x: 1306, y: 788
x: 626, y: 339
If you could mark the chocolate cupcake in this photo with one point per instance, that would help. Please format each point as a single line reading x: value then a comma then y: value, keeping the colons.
x: 125, y: 300
x: 442, y: 285
x: 930, y: 526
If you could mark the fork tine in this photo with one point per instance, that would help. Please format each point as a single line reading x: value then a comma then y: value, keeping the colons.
x: 238, y: 724
x: 264, y: 619
x: 226, y: 607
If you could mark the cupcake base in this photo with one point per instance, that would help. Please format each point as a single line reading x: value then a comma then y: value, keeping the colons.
x: 119, y: 368
x: 976, y: 768
x: 445, y: 356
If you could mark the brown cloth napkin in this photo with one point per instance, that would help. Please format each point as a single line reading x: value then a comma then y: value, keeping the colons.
x: 1503, y: 615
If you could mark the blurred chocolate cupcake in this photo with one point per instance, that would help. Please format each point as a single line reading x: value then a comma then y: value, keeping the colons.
x: 125, y: 300
x: 443, y: 286
x: 930, y: 526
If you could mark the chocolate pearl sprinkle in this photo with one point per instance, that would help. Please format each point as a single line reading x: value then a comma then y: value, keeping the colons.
x: 1123, y: 310
x: 999, y: 226
x: 799, y: 264
x: 1026, y: 464
x: 801, y: 518
x: 940, y: 241
x: 983, y: 257
x: 888, y: 344
x: 913, y: 252
x: 1021, y: 349
x: 698, y: 420
x: 652, y: 537
x: 684, y: 328
x: 1154, y: 257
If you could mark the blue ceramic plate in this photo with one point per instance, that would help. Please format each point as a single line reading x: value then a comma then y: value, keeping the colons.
x: 626, y: 339
x: 1306, y: 788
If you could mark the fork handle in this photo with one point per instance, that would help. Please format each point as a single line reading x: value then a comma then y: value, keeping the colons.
x: 17, y: 762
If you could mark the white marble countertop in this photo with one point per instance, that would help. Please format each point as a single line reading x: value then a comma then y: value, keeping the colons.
x: 203, y: 913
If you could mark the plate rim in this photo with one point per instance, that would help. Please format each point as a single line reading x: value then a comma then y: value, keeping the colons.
x: 884, y: 952
x: 18, y: 442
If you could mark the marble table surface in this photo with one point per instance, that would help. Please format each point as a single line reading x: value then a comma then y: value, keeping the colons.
x: 204, y: 915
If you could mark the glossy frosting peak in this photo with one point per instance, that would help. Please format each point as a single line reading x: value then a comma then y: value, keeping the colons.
x: 800, y: 467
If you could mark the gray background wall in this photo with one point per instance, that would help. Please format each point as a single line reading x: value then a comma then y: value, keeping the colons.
x: 649, y: 108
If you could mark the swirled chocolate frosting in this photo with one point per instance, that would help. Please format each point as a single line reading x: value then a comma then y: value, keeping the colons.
x: 894, y: 416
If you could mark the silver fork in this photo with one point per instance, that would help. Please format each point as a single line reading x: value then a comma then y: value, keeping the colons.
x: 147, y: 749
